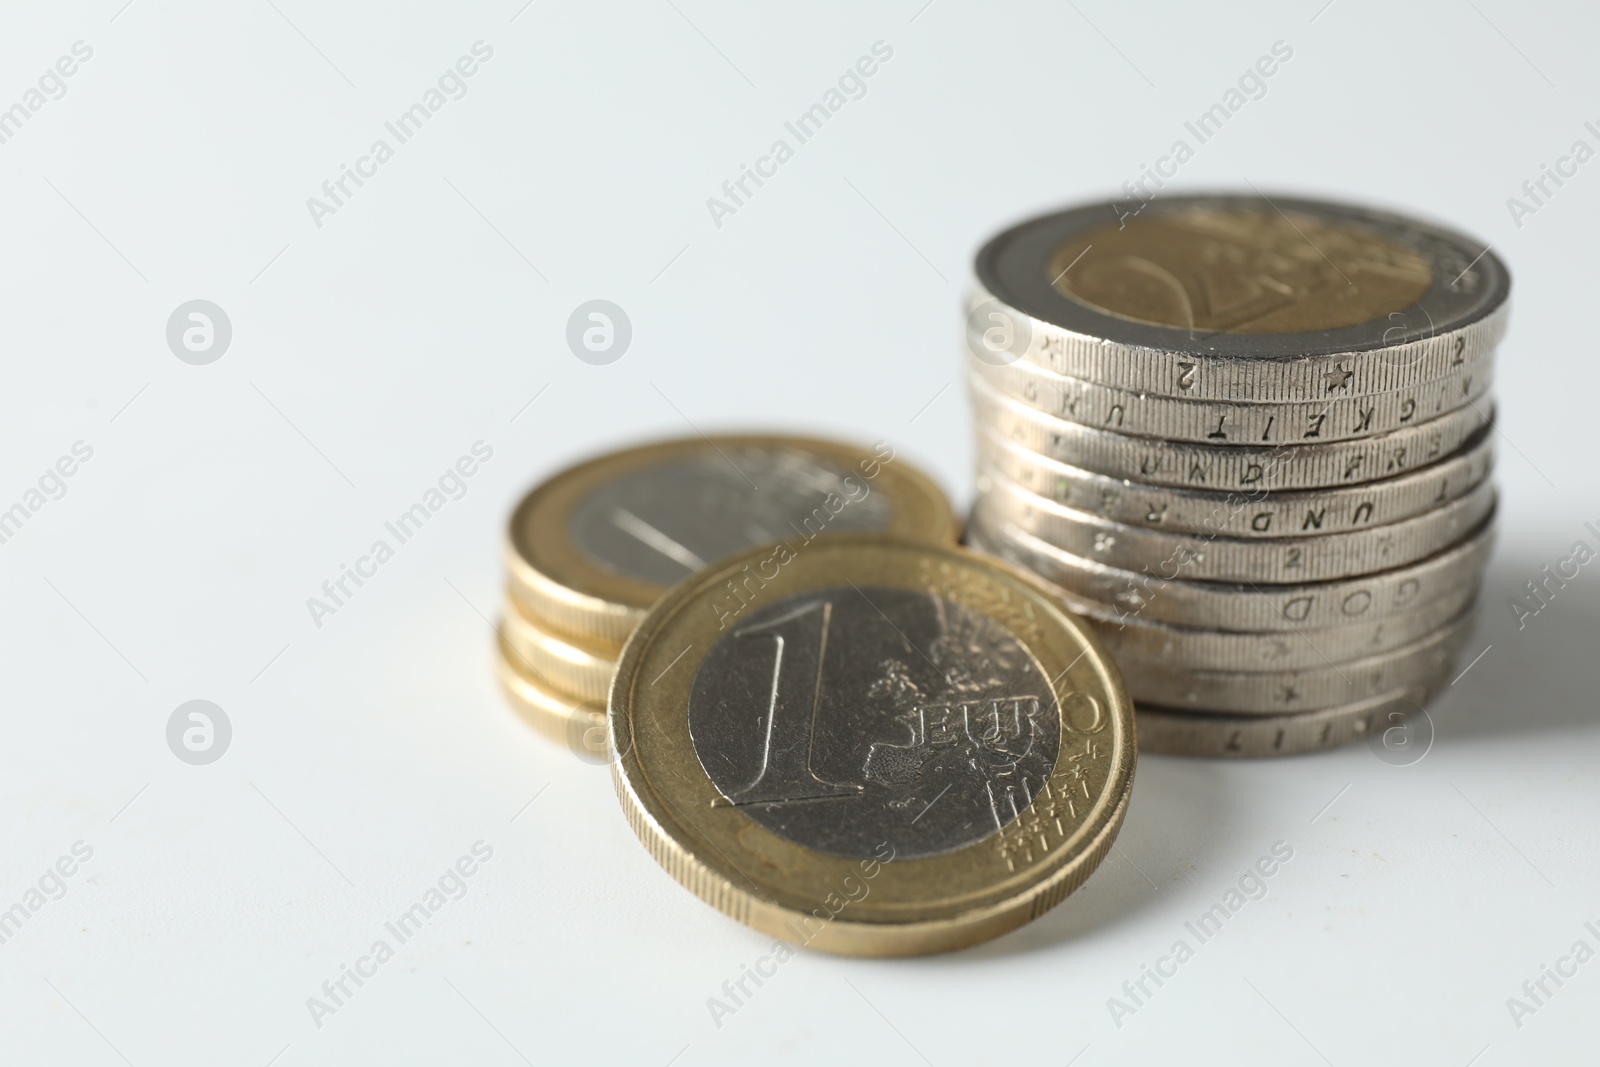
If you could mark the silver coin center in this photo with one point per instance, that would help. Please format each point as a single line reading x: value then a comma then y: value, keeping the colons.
x: 666, y: 521
x: 853, y: 716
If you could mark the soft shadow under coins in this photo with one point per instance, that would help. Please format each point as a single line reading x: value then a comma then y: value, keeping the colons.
x: 1541, y: 677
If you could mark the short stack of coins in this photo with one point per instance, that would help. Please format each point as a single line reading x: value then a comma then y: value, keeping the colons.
x: 592, y: 548
x: 1250, y: 440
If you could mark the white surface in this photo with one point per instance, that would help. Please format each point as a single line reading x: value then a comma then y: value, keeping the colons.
x: 374, y: 751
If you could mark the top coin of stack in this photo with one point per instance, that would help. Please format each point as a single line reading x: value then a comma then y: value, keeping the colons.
x: 590, y: 550
x: 1249, y: 438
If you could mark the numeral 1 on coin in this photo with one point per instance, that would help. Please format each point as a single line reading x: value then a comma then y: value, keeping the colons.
x: 799, y: 641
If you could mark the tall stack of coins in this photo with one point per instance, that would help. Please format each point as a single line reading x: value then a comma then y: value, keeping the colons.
x: 592, y: 548
x: 1249, y: 439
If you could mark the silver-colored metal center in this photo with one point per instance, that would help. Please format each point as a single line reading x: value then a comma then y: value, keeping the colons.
x: 853, y: 716
x: 664, y: 522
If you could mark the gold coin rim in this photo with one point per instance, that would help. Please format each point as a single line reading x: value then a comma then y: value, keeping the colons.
x: 583, y: 669
x: 551, y: 712
x: 577, y: 598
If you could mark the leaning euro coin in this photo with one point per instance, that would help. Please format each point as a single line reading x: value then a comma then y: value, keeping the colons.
x: 871, y: 746
x: 594, y: 546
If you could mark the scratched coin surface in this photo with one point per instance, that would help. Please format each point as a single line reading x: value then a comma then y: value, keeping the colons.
x: 594, y: 546
x: 871, y: 745
x: 968, y: 708
x: 1231, y: 268
x: 663, y: 521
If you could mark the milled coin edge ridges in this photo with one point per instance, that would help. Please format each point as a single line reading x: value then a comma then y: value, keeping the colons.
x: 566, y: 612
x: 1060, y: 890
x: 560, y: 660
x: 1173, y: 464
x: 550, y: 713
x: 1179, y: 418
x: 1198, y: 375
x: 1320, y: 557
x: 1177, y: 732
x: 1388, y: 500
x: 1139, y: 641
x: 1207, y: 605
x: 704, y: 882
x: 1251, y: 692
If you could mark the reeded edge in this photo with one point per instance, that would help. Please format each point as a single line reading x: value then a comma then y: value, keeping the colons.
x: 566, y: 611
x: 1232, y: 650
x: 1194, y: 419
x: 1445, y: 643
x: 566, y: 663
x: 1278, y: 468
x: 1476, y: 543
x: 1319, y: 557
x: 842, y: 934
x: 1199, y: 735
x: 581, y: 600
x: 1179, y: 375
x: 994, y: 449
x: 554, y: 715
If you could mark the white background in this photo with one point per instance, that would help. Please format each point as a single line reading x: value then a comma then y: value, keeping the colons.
x: 423, y: 316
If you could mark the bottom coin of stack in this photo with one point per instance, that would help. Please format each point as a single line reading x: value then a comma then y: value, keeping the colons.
x: 589, y: 550
x: 573, y: 713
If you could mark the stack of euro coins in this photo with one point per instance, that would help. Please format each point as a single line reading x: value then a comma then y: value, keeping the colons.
x: 1249, y: 438
x: 591, y: 549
